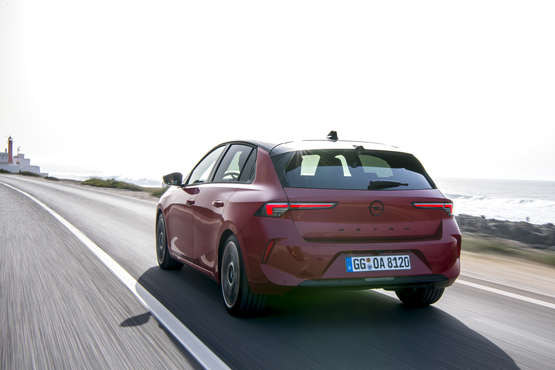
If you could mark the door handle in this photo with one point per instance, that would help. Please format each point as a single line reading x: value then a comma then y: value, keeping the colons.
x: 218, y: 203
x: 190, y: 202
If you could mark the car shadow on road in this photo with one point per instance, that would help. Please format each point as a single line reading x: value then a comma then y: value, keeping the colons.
x: 325, y: 330
x: 137, y: 320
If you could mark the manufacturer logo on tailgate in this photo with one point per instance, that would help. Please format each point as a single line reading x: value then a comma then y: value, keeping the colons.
x: 376, y: 208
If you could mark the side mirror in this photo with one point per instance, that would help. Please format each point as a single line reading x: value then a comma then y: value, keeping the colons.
x: 173, y: 179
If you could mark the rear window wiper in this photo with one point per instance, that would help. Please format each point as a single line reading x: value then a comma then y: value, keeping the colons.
x: 385, y: 184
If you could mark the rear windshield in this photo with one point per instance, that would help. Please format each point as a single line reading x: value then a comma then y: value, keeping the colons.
x: 352, y: 169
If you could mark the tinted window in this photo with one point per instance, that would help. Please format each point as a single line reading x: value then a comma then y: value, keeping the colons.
x: 202, y: 171
x: 233, y: 166
x: 351, y: 169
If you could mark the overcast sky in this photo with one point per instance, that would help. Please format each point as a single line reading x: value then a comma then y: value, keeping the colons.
x: 144, y: 88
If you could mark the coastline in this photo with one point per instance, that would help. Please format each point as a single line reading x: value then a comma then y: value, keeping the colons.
x: 526, y: 235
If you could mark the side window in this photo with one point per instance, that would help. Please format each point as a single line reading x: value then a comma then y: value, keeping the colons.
x: 204, y: 168
x: 236, y: 163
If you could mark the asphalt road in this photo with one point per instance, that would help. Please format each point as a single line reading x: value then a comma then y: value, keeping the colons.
x: 62, y: 308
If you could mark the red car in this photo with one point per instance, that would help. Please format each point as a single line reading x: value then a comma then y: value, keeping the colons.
x: 263, y: 219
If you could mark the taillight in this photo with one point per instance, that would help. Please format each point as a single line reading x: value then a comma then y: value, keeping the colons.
x: 447, y: 206
x: 305, y: 206
x: 275, y: 209
x: 278, y: 209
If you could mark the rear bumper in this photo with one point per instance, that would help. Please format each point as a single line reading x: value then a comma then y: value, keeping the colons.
x: 294, y: 262
x: 387, y: 283
x: 282, y: 282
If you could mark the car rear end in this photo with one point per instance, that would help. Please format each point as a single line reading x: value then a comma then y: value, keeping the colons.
x: 357, y: 215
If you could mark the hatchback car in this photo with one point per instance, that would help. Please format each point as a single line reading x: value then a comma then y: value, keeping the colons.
x: 263, y: 219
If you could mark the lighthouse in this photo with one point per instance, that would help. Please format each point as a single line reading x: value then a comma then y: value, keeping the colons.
x: 17, y: 163
x: 10, y: 150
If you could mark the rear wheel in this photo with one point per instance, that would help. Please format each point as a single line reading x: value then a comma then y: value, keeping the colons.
x: 163, y: 255
x: 238, y: 298
x: 419, y: 297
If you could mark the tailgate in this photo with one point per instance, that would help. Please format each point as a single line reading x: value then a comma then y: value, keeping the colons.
x: 366, y: 216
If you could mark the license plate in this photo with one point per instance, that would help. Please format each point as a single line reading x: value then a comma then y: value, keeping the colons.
x: 377, y: 263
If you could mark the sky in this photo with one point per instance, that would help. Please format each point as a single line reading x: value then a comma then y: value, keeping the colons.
x: 143, y: 88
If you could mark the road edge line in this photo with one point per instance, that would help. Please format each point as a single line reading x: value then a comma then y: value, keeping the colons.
x: 190, y: 341
x: 507, y: 294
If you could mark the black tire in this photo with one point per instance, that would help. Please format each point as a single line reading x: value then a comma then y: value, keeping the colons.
x: 419, y: 297
x: 162, y: 254
x: 237, y: 295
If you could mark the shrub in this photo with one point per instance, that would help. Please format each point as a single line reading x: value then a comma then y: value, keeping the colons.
x: 157, y: 192
x: 27, y: 173
x: 111, y: 183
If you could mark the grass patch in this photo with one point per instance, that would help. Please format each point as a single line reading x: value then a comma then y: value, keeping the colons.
x: 27, y: 173
x: 478, y: 245
x: 498, y: 247
x: 111, y: 183
x: 52, y: 178
x: 4, y: 171
x: 157, y: 192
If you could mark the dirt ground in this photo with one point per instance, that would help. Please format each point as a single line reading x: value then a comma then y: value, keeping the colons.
x: 509, y: 271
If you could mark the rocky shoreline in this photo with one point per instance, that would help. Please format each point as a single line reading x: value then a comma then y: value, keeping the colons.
x: 530, y: 235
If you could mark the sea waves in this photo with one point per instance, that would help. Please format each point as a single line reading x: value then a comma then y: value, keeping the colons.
x: 534, y: 211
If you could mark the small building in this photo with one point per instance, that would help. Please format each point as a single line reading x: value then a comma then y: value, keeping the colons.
x: 17, y: 163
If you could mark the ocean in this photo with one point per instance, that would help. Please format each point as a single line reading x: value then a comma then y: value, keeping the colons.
x: 508, y: 200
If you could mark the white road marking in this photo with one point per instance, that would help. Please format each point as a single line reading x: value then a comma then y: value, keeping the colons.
x: 488, y: 289
x: 507, y: 294
x: 194, y: 345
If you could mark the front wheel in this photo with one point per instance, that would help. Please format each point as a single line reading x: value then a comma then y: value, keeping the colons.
x: 237, y: 295
x: 419, y: 297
